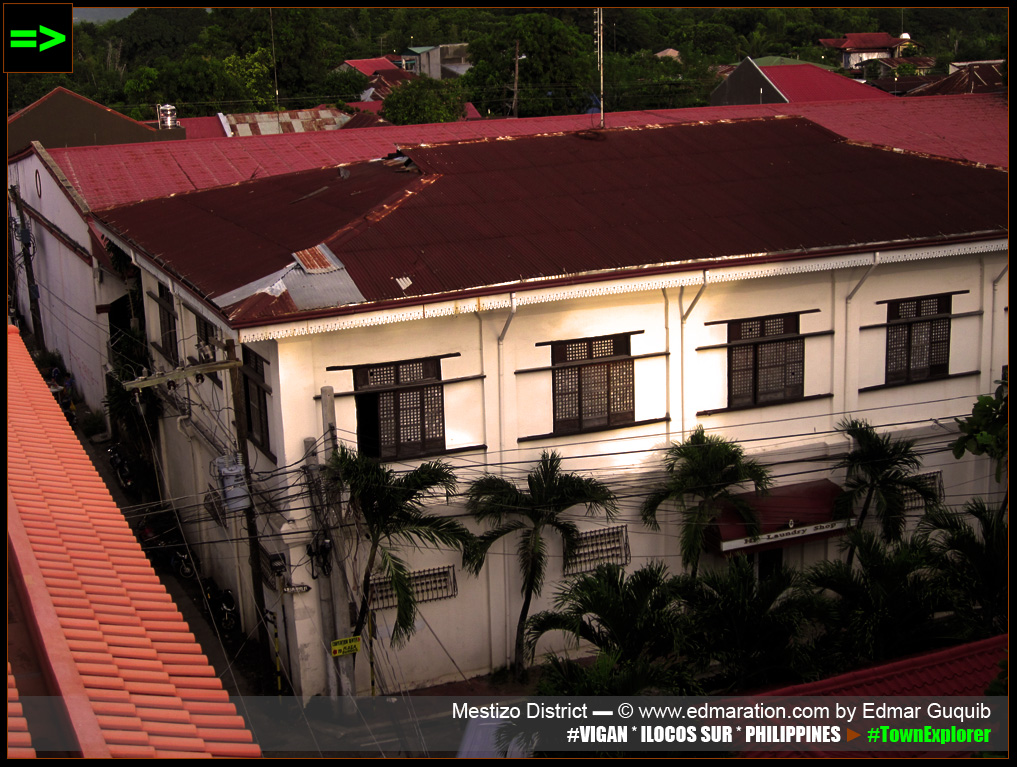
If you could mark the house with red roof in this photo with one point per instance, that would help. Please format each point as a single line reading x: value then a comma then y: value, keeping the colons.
x: 596, y: 293
x: 859, y: 47
x: 100, y: 662
x: 63, y: 118
x: 788, y: 83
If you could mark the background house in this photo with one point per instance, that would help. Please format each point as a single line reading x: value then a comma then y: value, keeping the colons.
x: 599, y: 294
x: 753, y: 84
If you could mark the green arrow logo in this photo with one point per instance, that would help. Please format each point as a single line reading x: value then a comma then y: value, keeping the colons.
x: 26, y: 38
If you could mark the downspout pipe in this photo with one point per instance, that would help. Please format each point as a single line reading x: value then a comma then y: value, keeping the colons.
x: 847, y: 320
x: 992, y: 318
x: 686, y: 313
x: 506, y: 561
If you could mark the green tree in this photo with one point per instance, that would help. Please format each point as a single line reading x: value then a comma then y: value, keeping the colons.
x: 632, y: 617
x: 985, y: 431
x: 755, y: 629
x: 389, y: 507
x: 974, y: 564
x: 533, y: 514
x: 881, y: 477
x: 425, y: 100
x: 345, y: 85
x: 555, y: 77
x: 885, y: 606
x: 703, y: 474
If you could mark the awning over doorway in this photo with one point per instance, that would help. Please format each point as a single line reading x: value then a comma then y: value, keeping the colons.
x: 787, y: 515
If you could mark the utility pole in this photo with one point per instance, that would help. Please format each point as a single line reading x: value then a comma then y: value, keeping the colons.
x: 339, y: 595
x: 24, y: 235
x: 515, y: 86
x: 240, y: 414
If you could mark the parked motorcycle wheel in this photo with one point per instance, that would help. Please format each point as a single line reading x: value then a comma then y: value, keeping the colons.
x: 184, y: 568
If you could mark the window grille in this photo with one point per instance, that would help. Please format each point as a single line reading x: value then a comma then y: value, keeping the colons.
x: 597, y: 394
x: 428, y: 586
x: 762, y: 372
x: 918, y: 338
x: 605, y: 546
x: 933, y: 481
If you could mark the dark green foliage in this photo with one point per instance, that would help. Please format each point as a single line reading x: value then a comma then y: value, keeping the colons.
x: 704, y: 474
x: 630, y: 617
x: 757, y: 631
x: 885, y: 606
x: 425, y: 100
x: 881, y: 477
x: 555, y: 77
x: 973, y: 564
x: 389, y: 508
x: 986, y: 430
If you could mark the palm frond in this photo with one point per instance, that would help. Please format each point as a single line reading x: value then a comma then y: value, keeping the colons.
x: 475, y: 553
x: 492, y: 497
x: 398, y: 575
x: 532, y: 554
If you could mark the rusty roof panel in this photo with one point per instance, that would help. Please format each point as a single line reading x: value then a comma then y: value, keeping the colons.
x: 486, y: 214
x: 971, y: 127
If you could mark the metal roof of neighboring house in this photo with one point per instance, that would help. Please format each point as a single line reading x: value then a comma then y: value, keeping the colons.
x: 962, y: 671
x: 203, y: 127
x: 370, y: 67
x: 486, y: 214
x: 367, y: 118
x: 805, y: 82
x: 863, y: 41
x: 969, y: 127
x: 294, y: 121
x: 965, y: 670
x: 974, y: 78
x: 115, y: 651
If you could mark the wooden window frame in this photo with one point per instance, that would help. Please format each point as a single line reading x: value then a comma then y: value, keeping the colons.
x: 765, y: 361
x: 918, y: 338
x: 593, y: 384
x: 400, y: 408
x: 256, y: 393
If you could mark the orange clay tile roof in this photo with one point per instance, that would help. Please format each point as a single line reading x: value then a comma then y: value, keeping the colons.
x: 19, y: 740
x: 112, y: 644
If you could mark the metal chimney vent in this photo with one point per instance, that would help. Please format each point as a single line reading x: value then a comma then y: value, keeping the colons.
x: 167, y: 117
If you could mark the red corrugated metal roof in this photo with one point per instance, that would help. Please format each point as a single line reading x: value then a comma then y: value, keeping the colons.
x: 862, y: 41
x: 370, y: 66
x: 804, y: 82
x: 115, y: 647
x: 203, y: 127
x: 965, y: 670
x: 962, y: 671
x: 492, y: 213
x: 969, y: 127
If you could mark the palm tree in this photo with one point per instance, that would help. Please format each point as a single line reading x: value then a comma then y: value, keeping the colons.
x: 974, y: 564
x: 704, y: 472
x: 390, y: 509
x: 533, y: 513
x: 881, y: 476
x: 884, y: 607
x: 756, y: 629
x: 634, y: 617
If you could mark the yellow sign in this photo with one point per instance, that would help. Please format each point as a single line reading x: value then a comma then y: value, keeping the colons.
x: 348, y: 646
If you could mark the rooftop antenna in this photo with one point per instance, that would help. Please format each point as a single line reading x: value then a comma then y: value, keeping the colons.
x: 599, y: 34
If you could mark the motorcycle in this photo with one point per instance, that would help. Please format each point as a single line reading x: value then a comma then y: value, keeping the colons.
x: 221, y: 604
x: 121, y: 467
x: 165, y: 545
